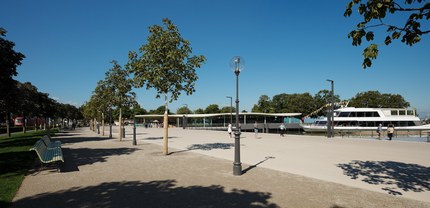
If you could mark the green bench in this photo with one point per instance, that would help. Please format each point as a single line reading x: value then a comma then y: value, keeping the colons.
x: 48, y: 155
x: 51, y: 144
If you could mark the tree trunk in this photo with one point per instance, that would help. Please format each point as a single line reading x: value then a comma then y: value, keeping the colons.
x: 24, y: 124
x: 103, y: 124
x: 120, y: 124
x: 166, y: 128
x: 8, y: 124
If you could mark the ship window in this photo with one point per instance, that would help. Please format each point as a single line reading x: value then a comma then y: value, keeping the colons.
x: 410, y: 112
x: 372, y: 114
x: 403, y: 123
x: 344, y: 114
x: 360, y: 114
x: 402, y: 112
x: 394, y: 113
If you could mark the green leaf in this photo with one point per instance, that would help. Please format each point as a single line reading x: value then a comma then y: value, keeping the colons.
x: 369, y: 36
x: 387, y: 40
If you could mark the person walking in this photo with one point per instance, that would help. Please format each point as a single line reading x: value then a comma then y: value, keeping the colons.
x: 282, y: 129
x: 379, y: 131
x: 256, y: 129
x: 229, y: 129
x: 390, y: 131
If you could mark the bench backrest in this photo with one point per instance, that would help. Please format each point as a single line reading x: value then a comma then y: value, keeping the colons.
x: 40, y: 149
x: 46, y: 140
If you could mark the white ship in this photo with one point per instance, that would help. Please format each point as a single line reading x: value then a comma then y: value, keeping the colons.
x: 368, y: 119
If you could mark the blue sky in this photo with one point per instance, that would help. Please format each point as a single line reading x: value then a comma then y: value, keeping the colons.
x: 289, y: 47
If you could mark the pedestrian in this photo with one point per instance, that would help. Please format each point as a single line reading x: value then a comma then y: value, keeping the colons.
x: 390, y: 131
x: 256, y: 129
x: 379, y: 131
x: 282, y: 129
x: 229, y: 129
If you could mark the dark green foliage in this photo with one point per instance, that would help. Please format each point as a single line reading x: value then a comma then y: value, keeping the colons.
x: 213, y: 108
x: 374, y: 14
x: 375, y: 99
x: 165, y: 63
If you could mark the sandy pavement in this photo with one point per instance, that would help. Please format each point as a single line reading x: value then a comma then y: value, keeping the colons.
x: 291, y: 171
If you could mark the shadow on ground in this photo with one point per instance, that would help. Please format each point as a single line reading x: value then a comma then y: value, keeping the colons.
x: 157, y: 138
x: 85, y: 156
x: 395, y: 176
x: 163, y: 193
x: 210, y: 146
x: 67, y: 140
x: 206, y: 147
x: 254, y: 166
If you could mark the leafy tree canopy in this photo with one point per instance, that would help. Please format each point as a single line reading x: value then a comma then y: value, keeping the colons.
x: 184, y: 110
x: 159, y: 111
x: 213, y: 108
x: 199, y: 111
x: 264, y: 105
x: 227, y: 109
x: 9, y: 61
x: 381, y: 13
x: 375, y: 99
x: 165, y: 63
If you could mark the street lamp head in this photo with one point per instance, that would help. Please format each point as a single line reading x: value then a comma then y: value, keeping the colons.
x: 237, y: 64
x: 329, y: 80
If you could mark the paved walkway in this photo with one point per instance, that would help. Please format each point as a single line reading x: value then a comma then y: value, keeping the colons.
x: 293, y: 171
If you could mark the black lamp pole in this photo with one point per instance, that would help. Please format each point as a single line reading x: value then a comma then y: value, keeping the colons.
x: 237, y: 165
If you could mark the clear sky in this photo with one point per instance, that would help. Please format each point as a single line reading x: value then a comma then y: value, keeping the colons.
x: 288, y: 46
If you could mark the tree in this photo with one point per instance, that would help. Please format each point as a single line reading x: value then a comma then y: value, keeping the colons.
x: 227, y: 109
x: 159, y: 111
x: 9, y: 61
x: 118, y: 90
x: 199, y: 111
x: 166, y: 65
x: 375, y: 12
x: 183, y: 110
x: 264, y: 105
x: 374, y: 99
x: 26, y: 105
x: 321, y: 99
x: 212, y: 108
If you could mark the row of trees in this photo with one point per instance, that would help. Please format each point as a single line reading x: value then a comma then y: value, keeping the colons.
x: 305, y: 103
x: 24, y: 99
x: 165, y: 63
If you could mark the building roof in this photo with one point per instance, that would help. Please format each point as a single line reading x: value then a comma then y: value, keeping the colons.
x: 220, y: 114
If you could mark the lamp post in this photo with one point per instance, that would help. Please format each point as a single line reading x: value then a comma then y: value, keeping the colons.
x: 237, y: 63
x: 231, y: 109
x: 134, y: 130
x: 330, y: 118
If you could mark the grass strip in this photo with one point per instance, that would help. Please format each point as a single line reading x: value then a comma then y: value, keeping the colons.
x: 15, y: 161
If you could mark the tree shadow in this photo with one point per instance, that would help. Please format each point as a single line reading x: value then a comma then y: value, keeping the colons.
x: 211, y: 146
x: 254, y: 166
x: 73, y: 158
x: 163, y: 193
x: 157, y: 138
x: 206, y: 147
x: 79, y: 139
x: 393, y: 175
